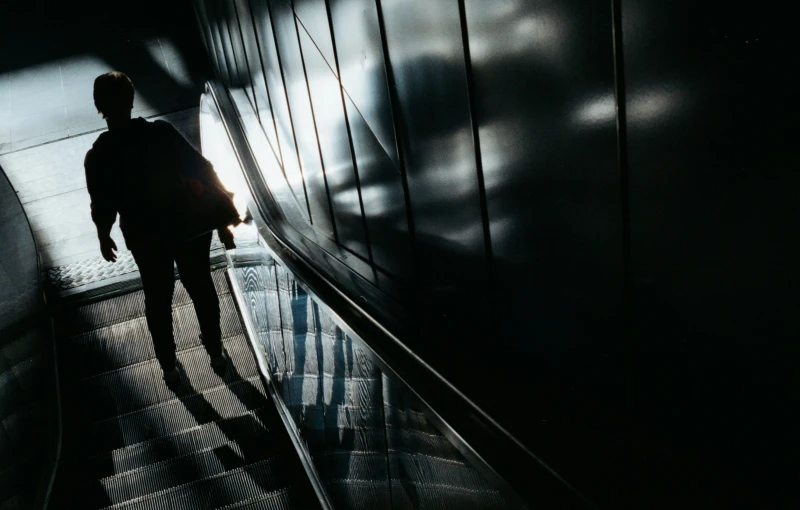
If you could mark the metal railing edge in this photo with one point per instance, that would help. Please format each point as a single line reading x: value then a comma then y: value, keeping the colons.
x: 283, y: 411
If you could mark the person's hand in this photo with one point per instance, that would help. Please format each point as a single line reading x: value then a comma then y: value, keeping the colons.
x: 226, y: 238
x: 107, y: 248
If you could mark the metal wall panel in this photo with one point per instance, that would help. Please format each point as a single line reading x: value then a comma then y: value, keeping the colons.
x: 331, y: 125
x: 426, y: 52
x: 211, y: 10
x: 283, y: 23
x: 544, y: 104
x: 382, y: 195
x: 357, y: 34
x: 208, y: 34
x: 262, y: 101
x: 713, y: 205
x: 313, y: 15
x: 270, y: 60
x: 237, y: 46
x: 224, y: 38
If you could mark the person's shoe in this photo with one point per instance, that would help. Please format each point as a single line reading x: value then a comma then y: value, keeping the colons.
x: 172, y: 378
x: 219, y: 363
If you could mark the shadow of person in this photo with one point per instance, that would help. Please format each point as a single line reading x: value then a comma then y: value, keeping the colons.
x: 255, y: 435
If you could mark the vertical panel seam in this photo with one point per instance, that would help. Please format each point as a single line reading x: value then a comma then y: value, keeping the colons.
x: 624, y: 175
x: 219, y: 53
x: 221, y: 22
x: 289, y: 107
x: 476, y: 140
x: 244, y: 51
x: 397, y: 123
x: 202, y: 27
x: 350, y: 140
x: 316, y: 131
x: 266, y: 86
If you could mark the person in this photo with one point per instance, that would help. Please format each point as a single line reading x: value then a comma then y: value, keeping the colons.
x: 130, y: 170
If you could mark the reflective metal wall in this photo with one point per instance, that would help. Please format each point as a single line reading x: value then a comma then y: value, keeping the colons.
x: 456, y: 160
x: 586, y: 211
x: 28, y: 405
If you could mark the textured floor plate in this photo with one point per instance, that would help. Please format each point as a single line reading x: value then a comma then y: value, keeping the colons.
x: 96, y: 269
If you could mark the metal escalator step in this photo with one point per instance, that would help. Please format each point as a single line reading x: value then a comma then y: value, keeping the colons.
x: 353, y: 493
x: 436, y: 471
x: 141, y: 385
x: 176, y: 415
x: 365, y: 466
x: 201, y: 437
x: 279, y: 500
x: 243, y: 485
x: 117, y: 345
x: 408, y: 494
x: 124, y: 308
x: 198, y: 465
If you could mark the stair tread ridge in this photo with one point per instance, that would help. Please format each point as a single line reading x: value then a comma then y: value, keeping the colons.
x: 119, y: 308
x: 197, y: 344
x: 241, y: 446
x: 288, y: 495
x: 234, y: 407
x: 285, y: 494
x: 247, y: 451
x: 196, y: 439
x: 177, y: 399
x: 226, y: 300
x: 256, y: 468
x: 112, y: 401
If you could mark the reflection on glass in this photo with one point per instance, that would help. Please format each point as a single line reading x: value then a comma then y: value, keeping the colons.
x: 372, y: 446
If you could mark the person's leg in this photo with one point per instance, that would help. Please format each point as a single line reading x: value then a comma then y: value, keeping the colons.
x: 192, y: 258
x: 158, y: 283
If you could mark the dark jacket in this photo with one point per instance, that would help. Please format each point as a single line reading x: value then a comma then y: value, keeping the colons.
x: 133, y: 171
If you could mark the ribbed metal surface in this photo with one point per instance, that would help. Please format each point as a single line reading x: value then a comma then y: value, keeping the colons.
x: 132, y: 442
x: 371, y: 446
x: 201, y: 437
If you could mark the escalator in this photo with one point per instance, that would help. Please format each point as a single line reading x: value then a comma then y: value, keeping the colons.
x: 132, y: 442
x: 319, y: 405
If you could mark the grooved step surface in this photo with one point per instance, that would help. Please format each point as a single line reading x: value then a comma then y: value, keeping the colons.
x: 200, y: 437
x: 215, y: 441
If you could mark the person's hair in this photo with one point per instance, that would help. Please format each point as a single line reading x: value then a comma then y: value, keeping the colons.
x: 113, y: 94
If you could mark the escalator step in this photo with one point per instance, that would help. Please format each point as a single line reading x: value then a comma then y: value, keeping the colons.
x: 279, y: 500
x: 175, y: 415
x: 128, y: 389
x: 229, y: 490
x: 124, y: 308
x: 125, y: 343
x: 132, y: 442
x: 202, y: 437
x: 198, y: 466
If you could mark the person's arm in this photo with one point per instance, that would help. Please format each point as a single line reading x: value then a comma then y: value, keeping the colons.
x: 103, y: 204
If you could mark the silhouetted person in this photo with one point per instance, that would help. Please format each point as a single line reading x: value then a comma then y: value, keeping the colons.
x: 131, y: 170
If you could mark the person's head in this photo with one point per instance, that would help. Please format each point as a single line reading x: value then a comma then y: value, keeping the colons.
x: 113, y: 94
